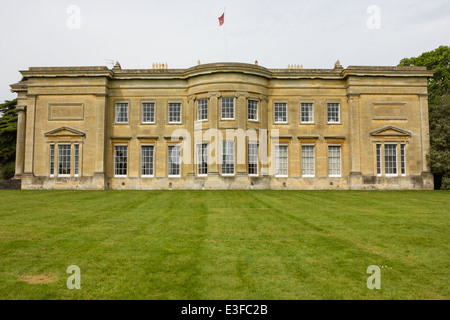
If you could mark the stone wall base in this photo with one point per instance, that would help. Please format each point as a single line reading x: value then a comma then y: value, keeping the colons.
x: 355, y: 181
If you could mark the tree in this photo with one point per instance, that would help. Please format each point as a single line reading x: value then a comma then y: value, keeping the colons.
x: 439, y: 111
x: 439, y: 156
x: 439, y: 61
x: 8, y: 136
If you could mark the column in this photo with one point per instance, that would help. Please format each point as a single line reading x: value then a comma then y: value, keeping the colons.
x: 20, y: 146
x: 29, y: 134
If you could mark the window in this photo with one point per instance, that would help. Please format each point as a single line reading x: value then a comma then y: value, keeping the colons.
x: 308, y: 165
x: 307, y: 113
x: 121, y: 112
x: 202, y: 159
x: 390, y: 159
x: 378, y: 159
x: 76, y: 160
x: 64, y: 160
x: 280, y: 112
x: 227, y: 108
x: 174, y: 112
x: 148, y: 112
x: 174, y: 161
x: 334, y: 161
x: 252, y: 110
x: 52, y: 160
x: 253, y: 159
x: 228, y: 157
x: 202, y: 110
x: 394, y: 155
x: 147, y: 160
x: 281, y: 161
x: 333, y: 113
x: 120, y: 161
x: 402, y: 159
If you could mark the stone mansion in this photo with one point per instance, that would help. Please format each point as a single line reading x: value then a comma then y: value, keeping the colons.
x: 223, y: 126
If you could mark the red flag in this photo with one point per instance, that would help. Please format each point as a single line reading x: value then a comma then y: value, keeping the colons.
x: 222, y: 19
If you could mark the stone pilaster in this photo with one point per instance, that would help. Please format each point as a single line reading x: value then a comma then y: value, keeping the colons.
x: 190, y: 124
x: 263, y: 136
x: 100, y: 105
x: 353, y: 105
x: 424, y: 130
x: 214, y: 109
x: 241, y: 117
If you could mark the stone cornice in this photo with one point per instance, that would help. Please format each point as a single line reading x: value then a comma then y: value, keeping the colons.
x: 151, y: 137
x: 51, y: 72
x: 386, y: 71
x: 213, y: 68
x: 308, y: 137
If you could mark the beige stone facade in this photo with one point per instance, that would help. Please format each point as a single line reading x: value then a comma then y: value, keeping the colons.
x: 100, y: 128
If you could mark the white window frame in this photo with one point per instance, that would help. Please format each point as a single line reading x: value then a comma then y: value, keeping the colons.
x: 340, y: 160
x: 52, y: 160
x: 222, y: 108
x: 403, y: 159
x: 248, y: 109
x: 333, y: 104
x: 115, y: 162
x: 395, y: 144
x: 313, y: 160
x: 142, y: 161
x: 251, y: 143
x: 64, y: 175
x: 172, y: 104
x: 178, y: 175
x: 76, y: 160
x: 275, y: 112
x: 116, y: 115
x: 200, y: 158
x: 143, y: 113
x: 310, y: 112
x: 226, y: 154
x: 378, y: 159
x: 201, y: 112
x: 277, y: 146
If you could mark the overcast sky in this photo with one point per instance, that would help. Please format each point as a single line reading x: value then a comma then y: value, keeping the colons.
x: 39, y: 33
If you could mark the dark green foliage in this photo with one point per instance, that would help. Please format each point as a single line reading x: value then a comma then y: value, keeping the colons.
x: 439, y: 157
x: 439, y: 61
x: 439, y: 111
x: 8, y: 135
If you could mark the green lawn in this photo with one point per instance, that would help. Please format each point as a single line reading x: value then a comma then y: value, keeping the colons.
x: 224, y: 244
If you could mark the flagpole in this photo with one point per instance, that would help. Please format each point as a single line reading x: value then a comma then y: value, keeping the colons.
x: 225, y: 36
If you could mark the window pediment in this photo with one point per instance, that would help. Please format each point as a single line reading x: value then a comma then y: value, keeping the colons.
x: 390, y: 131
x: 65, y: 132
